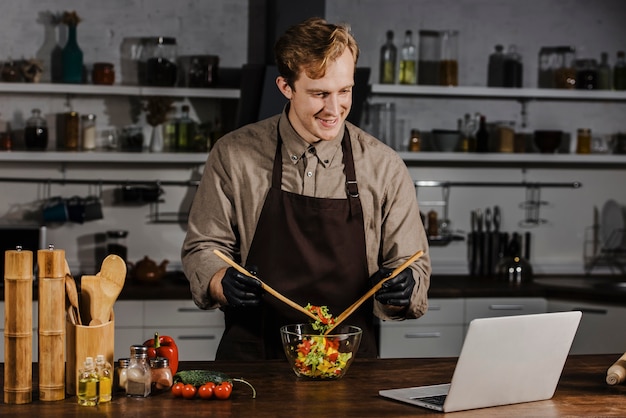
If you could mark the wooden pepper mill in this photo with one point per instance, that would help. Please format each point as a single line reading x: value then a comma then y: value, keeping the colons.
x: 51, y: 265
x: 18, y: 326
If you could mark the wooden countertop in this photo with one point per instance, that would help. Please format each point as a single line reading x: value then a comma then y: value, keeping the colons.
x: 582, y: 391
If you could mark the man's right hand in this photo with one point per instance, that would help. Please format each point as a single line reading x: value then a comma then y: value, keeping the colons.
x: 241, y: 290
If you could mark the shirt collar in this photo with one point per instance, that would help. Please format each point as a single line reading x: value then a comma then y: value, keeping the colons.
x: 296, y: 146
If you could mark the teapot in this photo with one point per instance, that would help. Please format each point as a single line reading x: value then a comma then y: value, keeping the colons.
x: 147, y: 270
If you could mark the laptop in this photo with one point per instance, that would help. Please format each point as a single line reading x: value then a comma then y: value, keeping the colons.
x: 504, y: 360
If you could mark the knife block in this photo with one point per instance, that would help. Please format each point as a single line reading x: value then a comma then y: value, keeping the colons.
x: 86, y: 341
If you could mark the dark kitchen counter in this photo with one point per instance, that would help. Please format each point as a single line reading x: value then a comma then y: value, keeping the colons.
x: 605, y: 289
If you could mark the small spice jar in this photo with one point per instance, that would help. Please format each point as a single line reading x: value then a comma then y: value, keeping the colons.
x: 103, y: 73
x: 161, y: 375
x: 121, y: 374
x: 88, y: 131
x: 138, y: 376
x: 72, y: 131
x: 583, y: 141
x: 415, y: 143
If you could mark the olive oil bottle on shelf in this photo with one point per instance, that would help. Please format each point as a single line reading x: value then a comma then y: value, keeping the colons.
x: 88, y: 384
x: 388, y: 56
x: 184, y: 130
x: 408, y: 60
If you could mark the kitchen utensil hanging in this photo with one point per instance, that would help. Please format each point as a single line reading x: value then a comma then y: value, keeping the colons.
x: 533, y: 195
x: 532, y: 206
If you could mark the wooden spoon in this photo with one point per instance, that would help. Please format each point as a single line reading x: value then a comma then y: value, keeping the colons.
x: 112, y: 278
x: 265, y: 286
x: 373, y: 290
x: 72, y: 293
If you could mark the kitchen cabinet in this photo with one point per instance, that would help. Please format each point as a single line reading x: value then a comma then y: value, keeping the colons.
x: 441, y: 331
x: 601, y: 329
x: 197, y: 332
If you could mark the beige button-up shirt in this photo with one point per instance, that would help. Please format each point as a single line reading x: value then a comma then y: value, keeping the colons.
x: 238, y: 175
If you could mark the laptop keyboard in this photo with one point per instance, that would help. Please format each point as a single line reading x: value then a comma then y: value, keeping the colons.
x: 434, y: 400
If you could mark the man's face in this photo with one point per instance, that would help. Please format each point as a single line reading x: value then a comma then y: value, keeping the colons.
x: 319, y: 107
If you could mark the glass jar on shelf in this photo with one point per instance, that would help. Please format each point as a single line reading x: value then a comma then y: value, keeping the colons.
x: 565, y: 72
x: 586, y: 74
x: 36, y: 132
x: 88, y: 131
x: 448, y: 58
x: 428, y: 63
x: 159, y: 58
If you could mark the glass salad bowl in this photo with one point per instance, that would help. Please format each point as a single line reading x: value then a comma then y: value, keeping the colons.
x: 316, y: 356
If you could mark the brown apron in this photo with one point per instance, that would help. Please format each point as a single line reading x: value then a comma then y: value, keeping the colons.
x: 312, y: 250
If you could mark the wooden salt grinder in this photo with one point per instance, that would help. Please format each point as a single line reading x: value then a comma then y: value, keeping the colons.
x: 51, y: 265
x: 18, y: 326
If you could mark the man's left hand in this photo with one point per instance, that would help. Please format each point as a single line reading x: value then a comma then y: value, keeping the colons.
x: 397, y: 291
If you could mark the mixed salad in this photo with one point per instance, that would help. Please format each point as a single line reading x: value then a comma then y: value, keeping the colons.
x: 319, y: 356
x: 324, y: 319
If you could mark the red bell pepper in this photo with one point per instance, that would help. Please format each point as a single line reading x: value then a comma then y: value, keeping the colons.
x: 163, y: 346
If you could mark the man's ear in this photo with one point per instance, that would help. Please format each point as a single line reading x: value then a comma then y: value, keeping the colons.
x: 284, y: 87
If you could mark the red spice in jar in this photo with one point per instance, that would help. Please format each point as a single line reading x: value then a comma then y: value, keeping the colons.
x: 103, y: 73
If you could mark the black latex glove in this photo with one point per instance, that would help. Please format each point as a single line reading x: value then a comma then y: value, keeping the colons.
x: 241, y: 290
x: 397, y: 291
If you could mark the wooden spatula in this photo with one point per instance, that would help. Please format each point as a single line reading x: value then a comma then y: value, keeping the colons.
x: 370, y: 293
x: 112, y: 278
x: 90, y: 299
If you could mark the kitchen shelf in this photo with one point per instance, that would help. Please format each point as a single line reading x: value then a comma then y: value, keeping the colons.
x: 410, y: 158
x: 116, y: 90
x: 522, y: 94
x: 513, y: 160
x: 104, y: 157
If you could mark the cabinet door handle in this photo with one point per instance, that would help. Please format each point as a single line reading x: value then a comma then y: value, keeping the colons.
x: 506, y: 307
x: 194, y: 310
x: 423, y: 335
x: 434, y: 308
x: 591, y: 311
x: 196, y: 337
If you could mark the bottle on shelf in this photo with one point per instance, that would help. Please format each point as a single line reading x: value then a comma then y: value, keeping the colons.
x: 482, y: 136
x: 408, y: 60
x: 448, y: 64
x: 495, y: 70
x: 88, y: 132
x: 88, y: 384
x: 36, y: 132
x: 513, y: 68
x: 619, y: 72
x: 184, y: 130
x: 605, y: 75
x: 388, y: 56
x: 105, y: 379
x: 415, y: 142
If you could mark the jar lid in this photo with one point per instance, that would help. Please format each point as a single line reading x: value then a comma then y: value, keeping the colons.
x: 159, y: 362
x: 118, y: 233
x: 102, y: 65
x: 138, y: 350
x: 123, y: 363
x: 161, y: 40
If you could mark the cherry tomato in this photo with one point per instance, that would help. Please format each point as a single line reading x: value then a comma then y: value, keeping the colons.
x: 177, y: 389
x: 189, y: 391
x: 223, y: 390
x: 206, y: 391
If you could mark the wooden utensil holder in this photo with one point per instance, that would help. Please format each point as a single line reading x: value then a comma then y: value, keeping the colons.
x: 86, y: 341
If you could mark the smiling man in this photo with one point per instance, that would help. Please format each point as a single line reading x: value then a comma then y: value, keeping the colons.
x: 311, y: 204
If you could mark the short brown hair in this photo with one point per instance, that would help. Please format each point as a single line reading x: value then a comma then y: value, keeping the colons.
x: 310, y: 45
